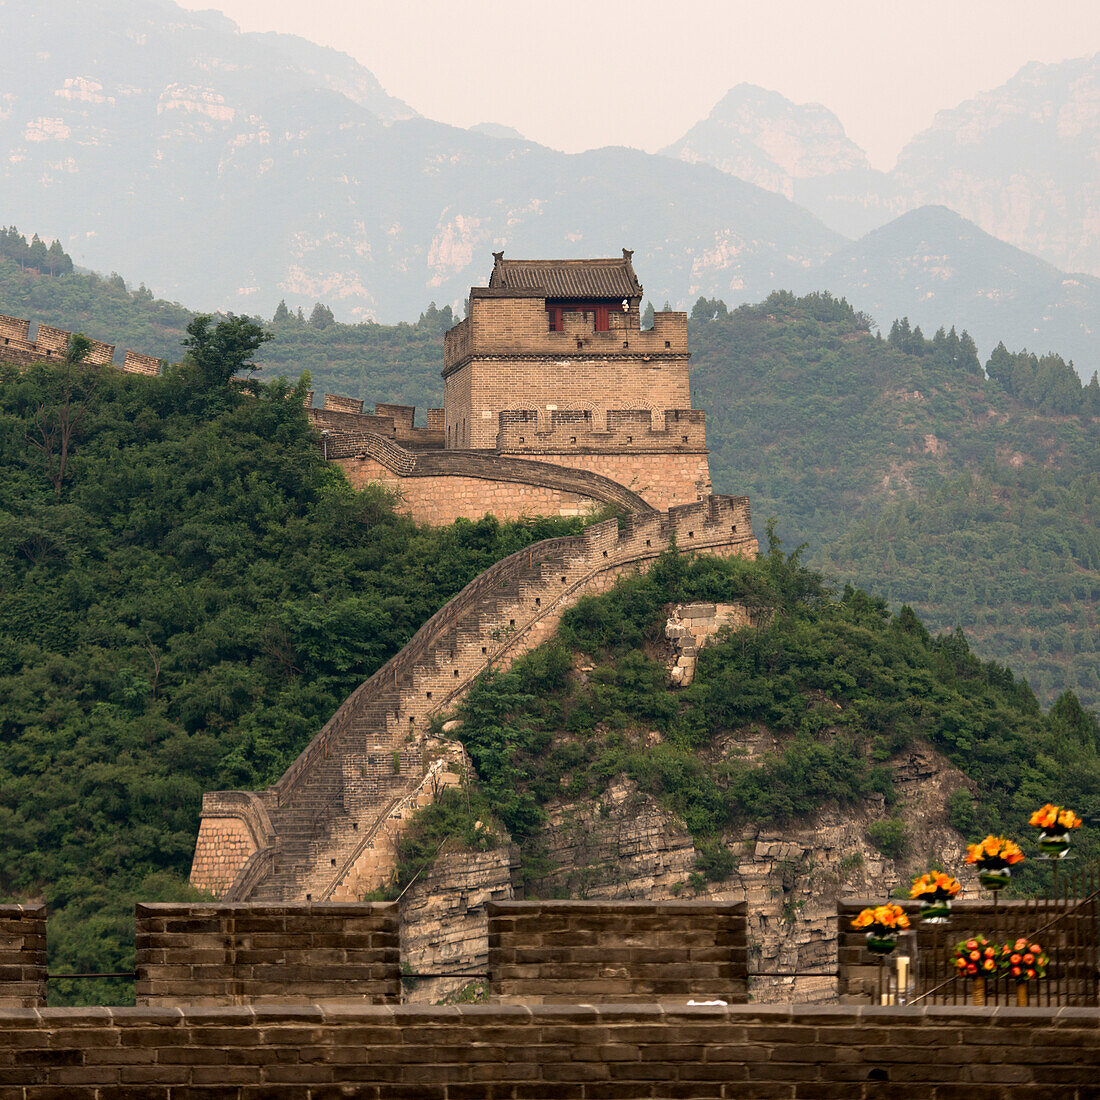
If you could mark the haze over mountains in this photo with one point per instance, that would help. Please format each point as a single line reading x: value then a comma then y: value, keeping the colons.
x: 230, y: 170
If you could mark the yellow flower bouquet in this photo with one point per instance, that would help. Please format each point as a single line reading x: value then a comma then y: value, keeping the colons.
x: 994, y: 858
x: 1055, y: 823
x: 882, y: 924
x: 934, y: 891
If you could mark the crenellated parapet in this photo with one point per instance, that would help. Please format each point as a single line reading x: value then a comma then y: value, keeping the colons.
x: 50, y: 344
x: 569, y: 431
x: 327, y: 807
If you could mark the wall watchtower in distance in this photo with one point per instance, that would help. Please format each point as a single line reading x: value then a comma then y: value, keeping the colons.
x: 552, y: 364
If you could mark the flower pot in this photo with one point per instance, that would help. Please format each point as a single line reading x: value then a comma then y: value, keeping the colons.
x: 881, y: 942
x: 994, y: 878
x: 1054, y: 845
x: 1021, y: 995
x: 977, y: 995
x: 935, y: 911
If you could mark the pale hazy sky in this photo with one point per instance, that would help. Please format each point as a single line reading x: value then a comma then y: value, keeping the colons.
x: 576, y: 75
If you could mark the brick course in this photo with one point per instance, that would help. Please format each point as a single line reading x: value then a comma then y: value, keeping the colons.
x: 577, y: 1052
x: 219, y: 954
x: 617, y: 952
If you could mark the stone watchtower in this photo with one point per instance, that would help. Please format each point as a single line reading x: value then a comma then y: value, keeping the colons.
x: 551, y: 364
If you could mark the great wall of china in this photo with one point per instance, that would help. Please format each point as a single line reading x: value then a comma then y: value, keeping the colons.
x: 555, y: 404
x: 327, y: 830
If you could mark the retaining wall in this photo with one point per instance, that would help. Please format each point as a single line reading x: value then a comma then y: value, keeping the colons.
x: 190, y: 954
x: 577, y: 1052
x: 617, y: 952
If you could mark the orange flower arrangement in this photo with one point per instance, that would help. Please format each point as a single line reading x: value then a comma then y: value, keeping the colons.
x: 994, y: 852
x: 975, y: 956
x: 887, y: 918
x: 1023, y: 962
x: 1053, y: 818
x: 934, y: 886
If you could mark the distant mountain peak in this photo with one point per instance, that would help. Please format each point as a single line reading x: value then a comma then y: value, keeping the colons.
x: 765, y: 138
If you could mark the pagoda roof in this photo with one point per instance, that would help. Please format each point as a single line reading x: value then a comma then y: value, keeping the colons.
x: 600, y: 278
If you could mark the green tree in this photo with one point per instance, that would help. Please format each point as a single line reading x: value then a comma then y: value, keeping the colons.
x: 321, y: 317
x: 217, y: 354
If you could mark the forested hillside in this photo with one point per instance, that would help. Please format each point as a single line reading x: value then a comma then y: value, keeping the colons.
x: 842, y: 685
x: 908, y: 471
x: 898, y: 461
x: 182, y: 606
x: 398, y: 363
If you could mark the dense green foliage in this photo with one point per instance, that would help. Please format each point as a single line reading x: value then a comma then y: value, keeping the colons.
x: 897, y: 461
x: 906, y: 470
x: 845, y: 684
x: 181, y: 616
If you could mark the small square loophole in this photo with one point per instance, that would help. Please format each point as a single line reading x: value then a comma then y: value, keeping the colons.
x: 691, y: 534
x: 456, y: 673
x: 538, y: 601
x: 428, y: 694
x: 484, y: 649
x: 668, y: 343
x: 511, y: 622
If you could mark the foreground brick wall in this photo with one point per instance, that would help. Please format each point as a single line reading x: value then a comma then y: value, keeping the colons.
x: 550, y: 1053
x: 249, y: 954
x: 22, y: 957
x: 618, y: 952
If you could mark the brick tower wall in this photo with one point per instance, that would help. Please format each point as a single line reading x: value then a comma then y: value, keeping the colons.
x: 504, y: 357
x: 509, y: 609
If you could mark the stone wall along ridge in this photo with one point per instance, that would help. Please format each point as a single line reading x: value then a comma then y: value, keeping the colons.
x: 50, y: 344
x: 492, y: 468
x: 319, y: 803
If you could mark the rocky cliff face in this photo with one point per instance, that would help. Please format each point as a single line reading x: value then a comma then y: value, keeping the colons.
x: 625, y: 845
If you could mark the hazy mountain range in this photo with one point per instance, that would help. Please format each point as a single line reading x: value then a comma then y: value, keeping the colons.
x: 230, y: 170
